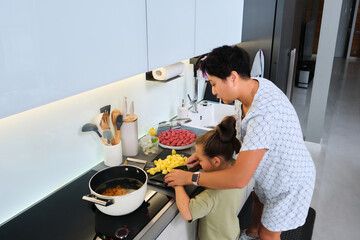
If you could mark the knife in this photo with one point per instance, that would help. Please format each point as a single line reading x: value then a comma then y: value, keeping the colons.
x: 124, y: 108
x: 131, y: 111
x: 137, y: 160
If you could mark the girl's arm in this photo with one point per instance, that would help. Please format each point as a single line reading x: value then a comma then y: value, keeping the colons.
x: 182, y: 202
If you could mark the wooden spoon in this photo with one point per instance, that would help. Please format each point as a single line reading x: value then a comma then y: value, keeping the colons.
x: 114, y: 114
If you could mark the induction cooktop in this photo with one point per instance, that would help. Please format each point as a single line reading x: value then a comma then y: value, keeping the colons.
x: 64, y: 215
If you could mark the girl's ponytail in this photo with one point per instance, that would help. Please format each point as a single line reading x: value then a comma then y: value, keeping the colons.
x: 222, y: 141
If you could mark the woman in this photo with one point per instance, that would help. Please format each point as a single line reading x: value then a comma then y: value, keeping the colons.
x: 272, y: 152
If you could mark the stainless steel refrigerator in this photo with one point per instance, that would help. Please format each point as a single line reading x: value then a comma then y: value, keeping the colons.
x: 275, y: 26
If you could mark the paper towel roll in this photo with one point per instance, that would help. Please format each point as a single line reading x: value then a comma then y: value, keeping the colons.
x: 168, y: 72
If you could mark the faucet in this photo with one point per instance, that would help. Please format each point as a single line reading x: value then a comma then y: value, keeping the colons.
x: 194, y: 101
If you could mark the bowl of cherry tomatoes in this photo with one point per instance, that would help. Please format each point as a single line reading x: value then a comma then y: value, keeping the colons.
x: 177, y: 139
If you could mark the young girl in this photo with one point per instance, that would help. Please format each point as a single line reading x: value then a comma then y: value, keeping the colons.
x: 215, y: 209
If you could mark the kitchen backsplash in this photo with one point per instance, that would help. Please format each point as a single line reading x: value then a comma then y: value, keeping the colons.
x: 43, y: 149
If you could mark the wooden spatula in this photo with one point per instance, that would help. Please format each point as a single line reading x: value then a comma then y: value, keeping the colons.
x: 105, y: 121
x: 114, y: 114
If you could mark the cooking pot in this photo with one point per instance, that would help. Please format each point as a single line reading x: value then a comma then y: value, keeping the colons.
x: 132, y: 178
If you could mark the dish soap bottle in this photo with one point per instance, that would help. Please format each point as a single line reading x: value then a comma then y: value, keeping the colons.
x: 182, y: 111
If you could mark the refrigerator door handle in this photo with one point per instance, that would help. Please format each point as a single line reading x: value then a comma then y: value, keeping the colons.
x: 290, y: 81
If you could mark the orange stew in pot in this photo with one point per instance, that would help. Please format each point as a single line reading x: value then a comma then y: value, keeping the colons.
x: 115, y: 191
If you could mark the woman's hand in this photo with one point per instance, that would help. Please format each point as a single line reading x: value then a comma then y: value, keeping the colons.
x: 178, y: 178
x: 193, y: 161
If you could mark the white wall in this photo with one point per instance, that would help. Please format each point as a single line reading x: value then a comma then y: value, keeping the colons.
x: 42, y: 149
x: 323, y: 69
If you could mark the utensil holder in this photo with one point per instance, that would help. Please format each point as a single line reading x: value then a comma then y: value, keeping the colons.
x: 113, y: 155
x: 129, y: 136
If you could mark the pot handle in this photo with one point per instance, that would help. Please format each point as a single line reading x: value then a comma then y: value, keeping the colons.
x: 103, y: 202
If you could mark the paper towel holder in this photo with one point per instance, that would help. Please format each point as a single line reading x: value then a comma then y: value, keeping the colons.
x: 149, y: 76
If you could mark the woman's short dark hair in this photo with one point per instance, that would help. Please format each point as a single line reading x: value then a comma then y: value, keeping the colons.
x: 221, y: 61
x: 221, y: 141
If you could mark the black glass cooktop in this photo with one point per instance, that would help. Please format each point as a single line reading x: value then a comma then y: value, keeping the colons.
x: 128, y: 226
x: 64, y: 215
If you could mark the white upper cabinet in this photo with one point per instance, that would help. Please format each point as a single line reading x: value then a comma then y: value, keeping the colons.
x: 171, y: 31
x: 218, y: 22
x: 50, y: 50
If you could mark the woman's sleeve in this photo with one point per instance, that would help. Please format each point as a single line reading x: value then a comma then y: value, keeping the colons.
x: 259, y: 133
x: 201, y: 205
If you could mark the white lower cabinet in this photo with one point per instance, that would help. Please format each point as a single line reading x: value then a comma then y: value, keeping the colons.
x: 246, y: 193
x: 179, y: 229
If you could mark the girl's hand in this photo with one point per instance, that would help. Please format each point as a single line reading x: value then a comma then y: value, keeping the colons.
x: 178, y: 177
x: 193, y: 161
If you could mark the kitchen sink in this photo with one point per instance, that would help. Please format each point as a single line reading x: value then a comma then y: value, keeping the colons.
x: 209, y: 114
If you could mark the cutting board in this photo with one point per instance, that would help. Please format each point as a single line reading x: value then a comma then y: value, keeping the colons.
x: 158, y: 178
